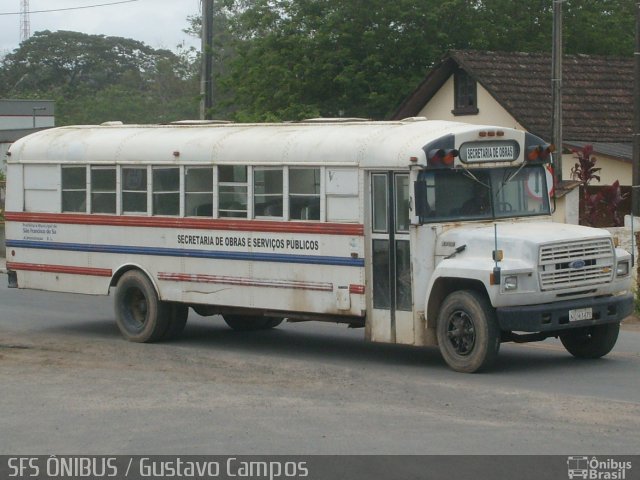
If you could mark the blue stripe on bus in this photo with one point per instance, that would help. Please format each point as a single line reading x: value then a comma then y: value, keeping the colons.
x: 177, y: 252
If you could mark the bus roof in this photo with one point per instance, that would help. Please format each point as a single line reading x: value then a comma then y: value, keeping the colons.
x: 323, y: 142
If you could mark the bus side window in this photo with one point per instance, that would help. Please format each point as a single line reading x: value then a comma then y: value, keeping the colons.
x: 268, y: 191
x: 74, y: 189
x: 166, y: 190
x: 198, y: 182
x: 134, y: 190
x: 232, y: 191
x: 103, y: 190
x: 304, y: 193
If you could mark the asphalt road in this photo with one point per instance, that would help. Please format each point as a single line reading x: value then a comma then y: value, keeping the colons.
x: 71, y: 384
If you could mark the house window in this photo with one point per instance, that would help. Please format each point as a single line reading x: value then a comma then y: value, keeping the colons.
x: 466, y: 98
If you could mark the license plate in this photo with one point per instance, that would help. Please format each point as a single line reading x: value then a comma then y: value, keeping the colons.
x: 580, y: 314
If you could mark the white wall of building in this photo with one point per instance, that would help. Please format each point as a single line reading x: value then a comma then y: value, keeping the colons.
x: 20, y: 122
x: 490, y: 111
x: 612, y: 169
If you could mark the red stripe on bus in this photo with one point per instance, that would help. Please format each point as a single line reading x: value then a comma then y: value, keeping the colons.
x: 356, y: 289
x: 251, y: 282
x: 196, y: 223
x: 40, y: 267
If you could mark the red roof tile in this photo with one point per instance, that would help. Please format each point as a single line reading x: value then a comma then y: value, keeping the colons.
x: 597, y: 91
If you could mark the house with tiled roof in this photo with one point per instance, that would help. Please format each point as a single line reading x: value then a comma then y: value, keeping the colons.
x: 513, y: 89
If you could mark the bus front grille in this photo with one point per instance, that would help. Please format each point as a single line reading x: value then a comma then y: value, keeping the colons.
x: 576, y: 264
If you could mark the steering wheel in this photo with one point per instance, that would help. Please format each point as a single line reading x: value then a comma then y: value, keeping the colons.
x: 505, y: 207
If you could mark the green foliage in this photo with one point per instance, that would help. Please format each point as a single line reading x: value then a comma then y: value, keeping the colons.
x: 94, y: 78
x: 599, y: 27
x: 292, y: 59
x: 288, y: 59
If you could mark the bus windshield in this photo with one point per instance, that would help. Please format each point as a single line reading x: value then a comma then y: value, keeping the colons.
x: 480, y: 194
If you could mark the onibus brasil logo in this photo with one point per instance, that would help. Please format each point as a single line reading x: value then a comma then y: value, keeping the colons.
x: 597, y: 469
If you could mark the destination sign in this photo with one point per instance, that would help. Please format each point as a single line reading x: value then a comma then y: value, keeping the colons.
x: 479, y: 152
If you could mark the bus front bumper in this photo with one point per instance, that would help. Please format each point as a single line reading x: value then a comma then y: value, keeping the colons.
x: 548, y: 317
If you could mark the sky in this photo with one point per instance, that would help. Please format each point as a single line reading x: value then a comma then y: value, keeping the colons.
x: 157, y: 23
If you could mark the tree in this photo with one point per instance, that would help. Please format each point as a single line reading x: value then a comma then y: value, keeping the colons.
x: 289, y: 59
x: 306, y: 57
x: 599, y: 27
x: 94, y: 78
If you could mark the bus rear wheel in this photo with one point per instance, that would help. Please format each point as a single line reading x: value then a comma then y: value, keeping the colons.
x: 468, y: 333
x: 140, y: 315
x: 591, y: 342
x: 247, y: 323
x: 177, y: 320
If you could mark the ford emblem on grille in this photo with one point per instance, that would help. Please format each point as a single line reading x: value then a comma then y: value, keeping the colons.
x: 576, y: 264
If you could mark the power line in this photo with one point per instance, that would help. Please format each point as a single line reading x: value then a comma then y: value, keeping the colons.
x: 70, y: 8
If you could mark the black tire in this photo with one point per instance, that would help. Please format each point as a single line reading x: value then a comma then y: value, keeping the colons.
x: 468, y: 333
x: 246, y: 323
x: 177, y: 321
x: 140, y: 315
x: 274, y: 322
x: 591, y: 342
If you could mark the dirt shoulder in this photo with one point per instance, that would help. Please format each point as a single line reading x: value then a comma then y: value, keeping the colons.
x: 631, y: 323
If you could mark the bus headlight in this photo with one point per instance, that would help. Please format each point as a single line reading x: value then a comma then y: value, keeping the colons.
x: 511, y: 282
x: 622, y: 270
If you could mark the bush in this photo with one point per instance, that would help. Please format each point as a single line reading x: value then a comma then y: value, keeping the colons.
x: 601, y: 208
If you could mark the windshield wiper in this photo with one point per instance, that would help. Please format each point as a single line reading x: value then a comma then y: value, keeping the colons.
x: 470, y: 175
x: 511, y: 177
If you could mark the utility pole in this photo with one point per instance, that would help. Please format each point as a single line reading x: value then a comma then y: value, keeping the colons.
x: 635, y: 195
x: 206, y: 79
x: 556, y: 84
x: 25, y: 23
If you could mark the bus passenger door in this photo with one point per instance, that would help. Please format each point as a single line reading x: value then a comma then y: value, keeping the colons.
x: 390, y: 268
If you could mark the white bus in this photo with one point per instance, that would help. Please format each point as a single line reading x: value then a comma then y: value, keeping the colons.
x: 422, y: 232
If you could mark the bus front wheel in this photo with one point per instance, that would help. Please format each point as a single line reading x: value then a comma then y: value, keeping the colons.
x: 468, y: 333
x: 591, y: 342
x: 140, y: 315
